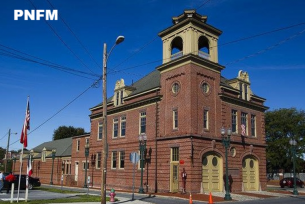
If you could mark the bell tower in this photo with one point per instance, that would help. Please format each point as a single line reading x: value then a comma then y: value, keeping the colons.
x: 190, y: 76
x: 190, y: 34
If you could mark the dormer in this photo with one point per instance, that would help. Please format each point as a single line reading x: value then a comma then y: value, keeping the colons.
x: 190, y: 34
x: 120, y: 92
x: 242, y: 83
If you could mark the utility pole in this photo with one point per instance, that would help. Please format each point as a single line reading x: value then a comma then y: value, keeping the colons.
x: 7, y: 149
x: 104, y: 139
x: 103, y: 187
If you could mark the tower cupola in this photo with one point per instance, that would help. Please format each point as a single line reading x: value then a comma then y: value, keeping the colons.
x: 190, y: 34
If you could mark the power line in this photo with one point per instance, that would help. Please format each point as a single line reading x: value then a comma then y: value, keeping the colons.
x: 48, y: 63
x: 63, y: 41
x: 268, y: 48
x: 227, y: 43
x: 4, y: 136
x: 78, y: 96
x: 44, y: 62
x: 136, y: 52
x: 76, y: 37
x: 204, y: 3
x: 261, y: 34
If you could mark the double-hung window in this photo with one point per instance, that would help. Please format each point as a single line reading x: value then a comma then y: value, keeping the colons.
x: 77, y: 145
x: 123, y: 126
x: 113, y: 160
x: 244, y: 121
x: 175, y: 119
x: 100, y: 130
x: 234, y: 121
x: 253, y: 125
x: 143, y: 122
x: 98, y: 160
x: 205, y: 119
x: 122, y: 159
x: 115, y: 127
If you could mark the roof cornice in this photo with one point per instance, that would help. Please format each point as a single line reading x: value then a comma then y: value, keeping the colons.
x: 191, y: 58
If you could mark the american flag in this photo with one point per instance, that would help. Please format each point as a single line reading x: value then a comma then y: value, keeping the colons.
x: 243, y: 129
x: 26, y: 126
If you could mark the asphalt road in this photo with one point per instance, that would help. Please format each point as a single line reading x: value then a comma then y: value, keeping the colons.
x: 38, y: 194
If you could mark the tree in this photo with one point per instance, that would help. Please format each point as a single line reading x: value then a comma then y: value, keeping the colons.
x: 65, y: 132
x: 281, y: 126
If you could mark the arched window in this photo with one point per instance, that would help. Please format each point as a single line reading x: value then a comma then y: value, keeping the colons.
x: 177, y: 48
x: 203, y: 47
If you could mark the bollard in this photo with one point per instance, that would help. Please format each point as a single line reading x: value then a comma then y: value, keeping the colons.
x: 12, y: 192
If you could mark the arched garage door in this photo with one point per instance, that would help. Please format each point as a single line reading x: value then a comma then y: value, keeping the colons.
x: 250, y: 174
x: 212, y: 172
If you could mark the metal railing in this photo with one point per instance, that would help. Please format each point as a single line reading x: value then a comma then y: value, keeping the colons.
x: 203, y: 55
x: 176, y: 55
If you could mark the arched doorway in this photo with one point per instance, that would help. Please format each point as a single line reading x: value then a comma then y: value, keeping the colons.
x: 212, y: 165
x: 250, y: 174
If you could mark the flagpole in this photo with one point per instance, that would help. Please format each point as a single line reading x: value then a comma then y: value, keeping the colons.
x: 20, y: 173
x: 23, y: 139
x: 27, y: 179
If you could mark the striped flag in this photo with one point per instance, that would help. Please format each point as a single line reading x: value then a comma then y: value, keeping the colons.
x: 26, y: 126
x: 243, y: 129
x: 29, y: 167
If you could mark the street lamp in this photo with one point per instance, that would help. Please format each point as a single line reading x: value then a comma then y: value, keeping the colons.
x: 293, y: 144
x: 226, y: 143
x: 105, y: 59
x: 53, y: 157
x: 86, y: 164
x: 93, y: 157
x: 142, y: 146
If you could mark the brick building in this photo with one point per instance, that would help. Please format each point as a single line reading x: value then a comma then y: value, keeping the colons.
x: 43, y: 162
x: 181, y: 107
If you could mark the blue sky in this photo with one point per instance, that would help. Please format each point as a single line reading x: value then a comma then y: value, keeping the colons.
x: 274, y: 61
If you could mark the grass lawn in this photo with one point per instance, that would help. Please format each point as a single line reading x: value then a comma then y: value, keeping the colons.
x: 81, y: 198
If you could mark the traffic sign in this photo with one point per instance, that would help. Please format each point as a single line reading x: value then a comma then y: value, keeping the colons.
x: 134, y: 157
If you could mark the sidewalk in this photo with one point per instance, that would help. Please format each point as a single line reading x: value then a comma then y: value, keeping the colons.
x: 216, y: 196
x: 121, y: 200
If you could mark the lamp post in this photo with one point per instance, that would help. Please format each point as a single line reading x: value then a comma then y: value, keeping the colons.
x: 93, y: 157
x: 293, y: 144
x: 142, y: 147
x: 86, y: 164
x: 226, y: 143
x: 53, y: 157
x: 62, y: 173
x: 105, y: 150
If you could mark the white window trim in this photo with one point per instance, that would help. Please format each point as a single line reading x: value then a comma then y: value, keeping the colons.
x: 100, y: 124
x: 255, y: 125
x: 140, y: 121
x: 116, y: 159
x: 83, y: 164
x: 175, y: 113
x: 115, y: 121
x: 96, y: 161
x: 120, y: 159
x: 121, y: 121
x: 77, y: 145
x: 206, y: 111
